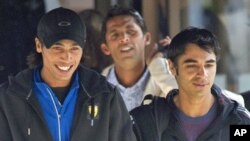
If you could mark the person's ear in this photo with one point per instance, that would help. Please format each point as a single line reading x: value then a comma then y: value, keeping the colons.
x: 147, y: 38
x: 105, y: 49
x: 38, y: 44
x: 172, y: 67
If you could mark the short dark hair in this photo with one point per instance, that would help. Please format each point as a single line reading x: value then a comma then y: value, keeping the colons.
x: 205, y: 39
x: 122, y: 11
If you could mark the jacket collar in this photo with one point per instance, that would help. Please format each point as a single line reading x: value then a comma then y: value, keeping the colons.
x: 91, y: 82
x: 225, y: 107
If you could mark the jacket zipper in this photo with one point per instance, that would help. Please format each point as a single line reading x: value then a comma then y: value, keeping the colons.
x: 58, y: 115
x: 29, y: 128
x: 92, y: 105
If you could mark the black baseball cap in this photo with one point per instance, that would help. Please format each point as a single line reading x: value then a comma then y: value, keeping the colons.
x: 61, y: 23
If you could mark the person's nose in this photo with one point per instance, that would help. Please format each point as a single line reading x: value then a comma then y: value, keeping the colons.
x: 124, y: 39
x: 203, y: 72
x: 67, y: 55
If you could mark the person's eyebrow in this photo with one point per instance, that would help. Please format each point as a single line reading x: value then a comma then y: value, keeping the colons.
x: 194, y: 61
x: 211, y: 61
x: 111, y: 31
x: 189, y: 61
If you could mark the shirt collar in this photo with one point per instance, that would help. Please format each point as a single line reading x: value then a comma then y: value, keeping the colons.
x: 140, y: 83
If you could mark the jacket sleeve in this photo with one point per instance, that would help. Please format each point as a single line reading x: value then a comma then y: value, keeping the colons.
x: 144, y: 125
x: 160, y: 73
x: 5, y: 134
x: 121, y: 124
x: 234, y: 96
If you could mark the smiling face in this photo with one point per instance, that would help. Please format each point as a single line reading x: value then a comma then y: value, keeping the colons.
x: 59, y: 61
x: 195, y: 71
x: 125, y: 42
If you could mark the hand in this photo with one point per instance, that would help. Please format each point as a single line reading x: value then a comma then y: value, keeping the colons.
x: 154, y: 52
x: 165, y: 42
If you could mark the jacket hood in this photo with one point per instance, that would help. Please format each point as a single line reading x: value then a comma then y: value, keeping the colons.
x: 22, y: 83
x: 225, y: 104
x: 93, y: 82
x: 226, y: 107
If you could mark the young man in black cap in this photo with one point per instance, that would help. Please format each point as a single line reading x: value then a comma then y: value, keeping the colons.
x: 57, y: 99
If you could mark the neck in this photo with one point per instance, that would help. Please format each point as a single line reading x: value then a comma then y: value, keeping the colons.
x: 54, y: 82
x: 128, y: 77
x: 194, y: 106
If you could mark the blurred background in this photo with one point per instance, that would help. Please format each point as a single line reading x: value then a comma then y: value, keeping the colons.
x: 228, y: 19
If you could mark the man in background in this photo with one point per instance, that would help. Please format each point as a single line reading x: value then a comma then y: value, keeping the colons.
x: 125, y: 38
